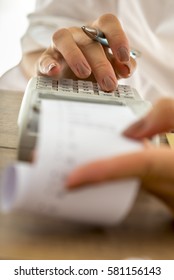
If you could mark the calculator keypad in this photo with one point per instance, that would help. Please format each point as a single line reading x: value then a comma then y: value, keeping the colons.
x: 69, y: 86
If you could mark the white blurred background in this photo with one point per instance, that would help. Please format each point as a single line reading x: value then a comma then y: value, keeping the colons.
x: 13, y: 23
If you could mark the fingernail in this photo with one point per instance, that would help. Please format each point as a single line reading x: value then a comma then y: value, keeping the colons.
x: 123, y: 54
x: 126, y: 70
x: 83, y: 69
x: 108, y: 83
x: 136, y: 129
x: 71, y: 183
x: 49, y: 67
x: 74, y: 181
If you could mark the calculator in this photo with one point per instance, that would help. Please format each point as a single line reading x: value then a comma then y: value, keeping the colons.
x: 40, y: 88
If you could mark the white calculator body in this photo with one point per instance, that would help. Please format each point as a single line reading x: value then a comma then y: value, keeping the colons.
x: 40, y: 88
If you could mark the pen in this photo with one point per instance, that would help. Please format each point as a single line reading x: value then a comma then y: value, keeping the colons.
x: 97, y: 35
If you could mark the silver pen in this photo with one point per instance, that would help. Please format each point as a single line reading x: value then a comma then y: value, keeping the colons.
x: 97, y: 35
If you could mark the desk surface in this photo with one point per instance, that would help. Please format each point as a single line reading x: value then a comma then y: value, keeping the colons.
x: 148, y: 231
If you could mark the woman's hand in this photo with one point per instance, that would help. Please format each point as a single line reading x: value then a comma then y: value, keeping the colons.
x: 73, y: 54
x: 153, y: 165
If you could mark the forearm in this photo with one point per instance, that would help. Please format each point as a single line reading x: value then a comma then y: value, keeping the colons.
x: 29, y: 62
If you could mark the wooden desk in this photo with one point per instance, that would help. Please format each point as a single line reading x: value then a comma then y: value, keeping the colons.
x: 148, y: 232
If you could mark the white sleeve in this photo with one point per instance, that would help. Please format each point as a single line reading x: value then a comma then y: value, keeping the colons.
x: 51, y: 15
x: 43, y: 23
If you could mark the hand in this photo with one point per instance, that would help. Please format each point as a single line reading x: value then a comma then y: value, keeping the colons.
x: 73, y: 54
x: 154, y: 166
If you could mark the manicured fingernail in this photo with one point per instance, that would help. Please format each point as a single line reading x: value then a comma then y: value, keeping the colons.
x: 108, y: 83
x: 83, y: 69
x: 123, y: 54
x: 49, y: 67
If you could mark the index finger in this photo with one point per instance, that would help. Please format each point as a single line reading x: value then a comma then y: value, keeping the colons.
x: 151, y: 163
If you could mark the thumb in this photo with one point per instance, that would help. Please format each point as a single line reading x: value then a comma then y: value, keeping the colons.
x: 158, y: 120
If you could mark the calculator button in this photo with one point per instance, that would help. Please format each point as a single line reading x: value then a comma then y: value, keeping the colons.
x: 86, y: 91
x: 116, y: 93
x: 103, y: 93
x: 64, y: 89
